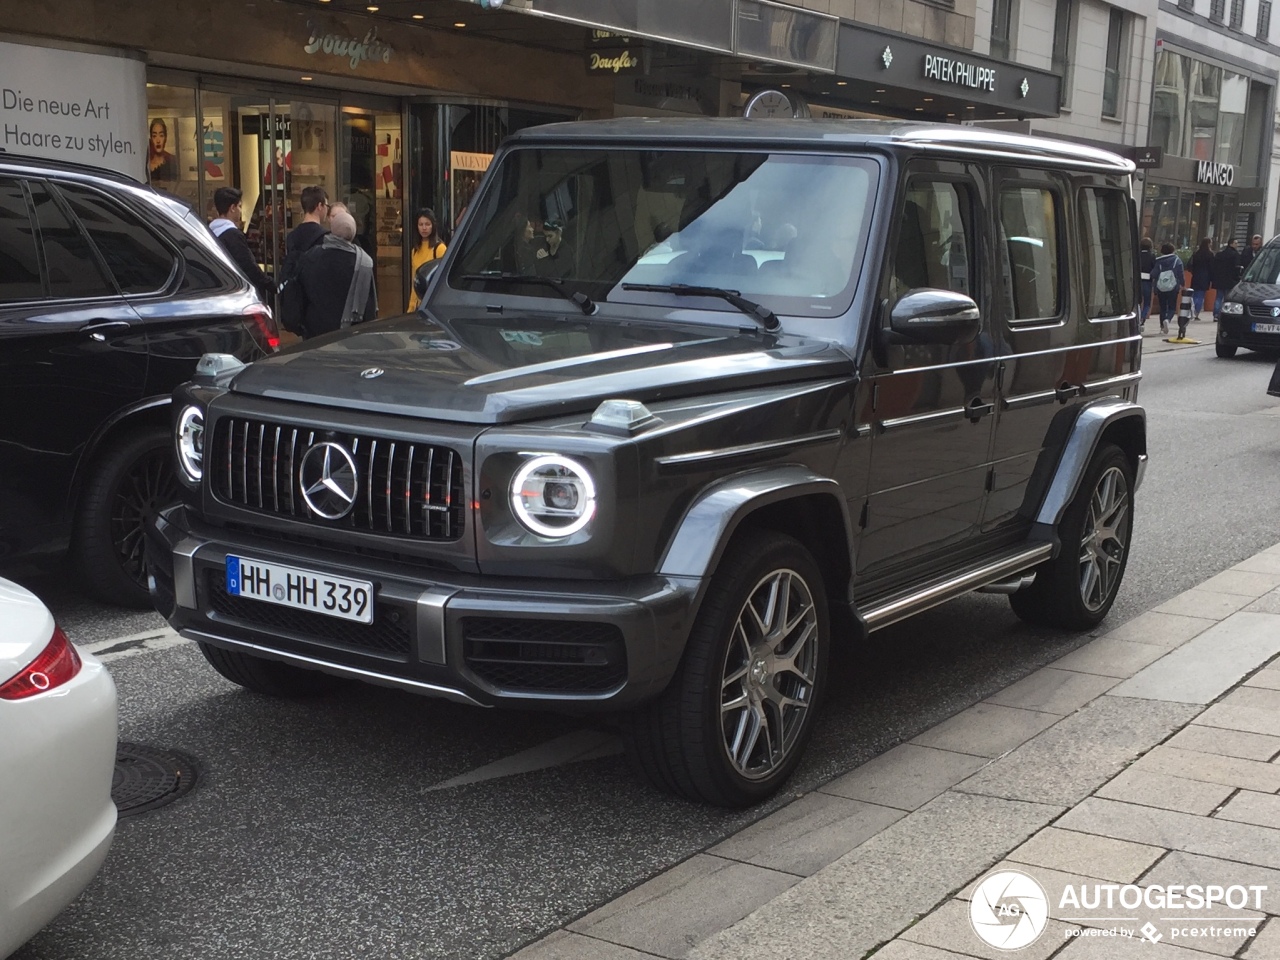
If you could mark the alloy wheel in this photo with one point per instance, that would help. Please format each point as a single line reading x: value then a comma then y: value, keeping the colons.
x: 147, y: 487
x: 769, y: 674
x: 1102, y: 549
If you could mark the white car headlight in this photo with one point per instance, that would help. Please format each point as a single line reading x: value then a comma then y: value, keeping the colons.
x: 553, y: 496
x: 190, y: 440
x: 1234, y: 309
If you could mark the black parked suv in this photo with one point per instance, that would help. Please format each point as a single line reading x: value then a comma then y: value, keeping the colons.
x: 687, y: 403
x: 1251, y: 311
x: 109, y: 295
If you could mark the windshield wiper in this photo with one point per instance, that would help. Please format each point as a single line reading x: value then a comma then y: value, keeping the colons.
x: 585, y: 303
x: 758, y: 312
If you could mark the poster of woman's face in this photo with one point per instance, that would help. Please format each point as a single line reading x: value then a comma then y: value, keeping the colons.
x: 162, y: 162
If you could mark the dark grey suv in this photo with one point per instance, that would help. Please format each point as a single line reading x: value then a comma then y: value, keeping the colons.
x: 109, y: 294
x: 687, y: 403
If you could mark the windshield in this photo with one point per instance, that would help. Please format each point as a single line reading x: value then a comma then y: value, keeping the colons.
x: 782, y: 230
x: 1265, y: 267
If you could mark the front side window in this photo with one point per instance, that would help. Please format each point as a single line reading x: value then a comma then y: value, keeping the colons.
x: 1029, y: 251
x: 935, y: 234
x: 787, y: 231
x: 1106, y: 253
x: 1265, y: 267
x: 19, y: 260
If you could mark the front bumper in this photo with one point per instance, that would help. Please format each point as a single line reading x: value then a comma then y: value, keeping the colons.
x: 1237, y: 331
x: 481, y: 640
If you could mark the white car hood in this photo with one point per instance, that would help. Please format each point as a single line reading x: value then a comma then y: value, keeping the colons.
x: 25, y: 628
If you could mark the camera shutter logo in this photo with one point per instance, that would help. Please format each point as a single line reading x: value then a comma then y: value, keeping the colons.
x: 1009, y: 910
x: 329, y: 482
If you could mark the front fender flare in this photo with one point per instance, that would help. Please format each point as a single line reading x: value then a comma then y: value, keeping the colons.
x: 713, y: 517
x: 1086, y: 433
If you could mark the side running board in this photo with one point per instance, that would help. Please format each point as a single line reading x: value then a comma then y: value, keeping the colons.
x: 908, y: 602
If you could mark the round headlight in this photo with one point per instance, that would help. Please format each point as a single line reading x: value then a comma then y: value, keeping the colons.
x: 190, y: 440
x: 553, y: 496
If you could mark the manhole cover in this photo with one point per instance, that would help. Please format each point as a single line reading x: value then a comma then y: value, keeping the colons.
x: 146, y: 778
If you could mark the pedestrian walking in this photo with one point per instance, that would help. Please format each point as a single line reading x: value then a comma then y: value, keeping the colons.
x: 1201, y: 276
x: 1254, y: 248
x: 1226, y: 274
x: 226, y: 227
x: 1169, y: 278
x: 428, y: 245
x: 1146, y: 262
x: 335, y: 278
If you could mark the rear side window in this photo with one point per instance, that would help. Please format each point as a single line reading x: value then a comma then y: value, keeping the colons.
x: 73, y: 269
x: 1029, y: 254
x: 1107, y: 253
x: 19, y: 259
x: 136, y: 257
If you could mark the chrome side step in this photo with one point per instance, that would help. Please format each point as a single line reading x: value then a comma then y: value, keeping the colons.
x: 906, y: 603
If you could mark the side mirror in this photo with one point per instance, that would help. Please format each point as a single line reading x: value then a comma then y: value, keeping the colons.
x: 934, y: 316
x: 422, y: 276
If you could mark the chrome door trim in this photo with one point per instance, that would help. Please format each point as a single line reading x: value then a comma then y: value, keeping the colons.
x: 1029, y: 399
x: 1097, y: 386
x: 918, y: 419
x: 725, y: 453
x: 1006, y: 357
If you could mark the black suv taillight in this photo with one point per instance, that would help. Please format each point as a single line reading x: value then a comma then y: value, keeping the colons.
x: 263, y: 327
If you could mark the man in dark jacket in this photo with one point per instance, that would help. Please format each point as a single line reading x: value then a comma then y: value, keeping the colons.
x: 1254, y: 248
x: 302, y: 238
x: 226, y: 200
x: 336, y: 279
x: 1225, y: 274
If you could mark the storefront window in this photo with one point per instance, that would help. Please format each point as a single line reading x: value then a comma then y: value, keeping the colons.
x: 1160, y: 213
x: 1231, y: 113
x: 372, y: 188
x: 173, y: 157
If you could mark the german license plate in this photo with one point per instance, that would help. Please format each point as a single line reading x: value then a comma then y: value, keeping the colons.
x: 1266, y: 328
x: 300, y: 589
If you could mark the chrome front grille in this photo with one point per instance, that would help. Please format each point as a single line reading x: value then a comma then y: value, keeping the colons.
x: 406, y: 489
x: 1261, y: 312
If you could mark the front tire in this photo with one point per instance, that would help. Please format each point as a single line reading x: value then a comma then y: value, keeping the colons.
x: 268, y: 677
x: 732, y: 725
x: 127, y: 485
x: 1076, y: 589
x: 1225, y: 351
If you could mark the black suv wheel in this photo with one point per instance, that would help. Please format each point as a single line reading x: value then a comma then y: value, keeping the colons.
x: 127, y: 485
x: 1076, y: 589
x: 732, y: 725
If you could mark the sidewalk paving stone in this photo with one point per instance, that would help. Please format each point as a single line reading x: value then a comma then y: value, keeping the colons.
x: 1210, y: 768
x: 986, y: 730
x: 563, y: 945
x: 1250, y: 807
x: 874, y: 891
x: 1254, y: 698
x: 949, y: 926
x: 906, y: 950
x: 1052, y: 880
x: 1265, y: 562
x: 906, y: 777
x: 1231, y: 743
x: 1175, y: 831
x: 1267, y: 603
x: 1066, y: 763
x: 675, y: 910
x: 806, y: 835
x: 1160, y: 629
x: 1266, y: 945
x: 1166, y: 792
x: 1126, y: 948
x: 1108, y: 657
x: 1246, y: 719
x: 1207, y: 666
x: 1242, y: 582
x: 1268, y: 678
x: 1205, y: 603
x: 1189, y: 868
x: 1049, y: 690
x: 1088, y: 855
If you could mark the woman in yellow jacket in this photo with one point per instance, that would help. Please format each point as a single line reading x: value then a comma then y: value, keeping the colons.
x: 428, y: 247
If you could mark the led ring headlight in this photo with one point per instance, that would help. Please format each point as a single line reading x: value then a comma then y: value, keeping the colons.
x: 553, y: 496
x: 190, y: 440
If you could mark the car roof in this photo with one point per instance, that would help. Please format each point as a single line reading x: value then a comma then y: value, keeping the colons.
x: 827, y: 134
x: 28, y: 163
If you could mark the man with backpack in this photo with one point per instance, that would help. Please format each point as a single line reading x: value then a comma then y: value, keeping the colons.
x: 1169, y: 275
x: 336, y: 281
x: 302, y: 238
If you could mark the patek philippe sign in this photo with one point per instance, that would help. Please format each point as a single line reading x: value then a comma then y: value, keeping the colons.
x: 960, y: 73
x: 1219, y: 174
x: 355, y: 50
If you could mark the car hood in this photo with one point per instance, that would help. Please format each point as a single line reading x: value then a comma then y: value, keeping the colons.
x: 489, y: 369
x: 26, y: 626
x: 1255, y: 293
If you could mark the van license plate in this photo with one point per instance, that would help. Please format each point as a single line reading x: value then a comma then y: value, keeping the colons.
x: 300, y: 589
x: 1266, y: 328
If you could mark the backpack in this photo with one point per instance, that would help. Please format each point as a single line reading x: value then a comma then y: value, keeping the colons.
x: 1166, y: 279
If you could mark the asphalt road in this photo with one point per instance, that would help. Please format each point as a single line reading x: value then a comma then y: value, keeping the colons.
x: 373, y: 823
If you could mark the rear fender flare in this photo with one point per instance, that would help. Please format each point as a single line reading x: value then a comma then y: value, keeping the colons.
x: 1095, y: 420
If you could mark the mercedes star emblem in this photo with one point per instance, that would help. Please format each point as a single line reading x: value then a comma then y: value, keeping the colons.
x: 329, y: 480
x: 1275, y: 311
x: 371, y: 373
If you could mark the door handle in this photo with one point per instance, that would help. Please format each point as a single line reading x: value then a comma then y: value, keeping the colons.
x: 99, y: 329
x: 1068, y: 390
x: 976, y: 409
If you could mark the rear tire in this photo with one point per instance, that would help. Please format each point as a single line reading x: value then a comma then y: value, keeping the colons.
x: 734, y: 721
x: 1076, y: 589
x: 127, y: 485
x: 1225, y: 351
x: 268, y: 677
